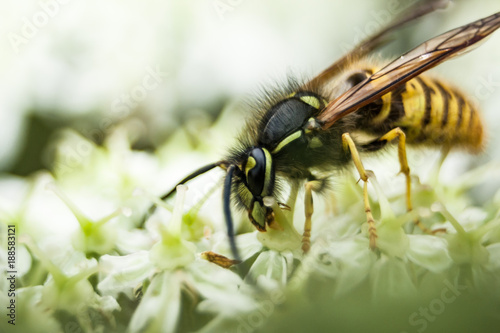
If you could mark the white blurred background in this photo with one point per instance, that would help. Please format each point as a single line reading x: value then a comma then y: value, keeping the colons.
x: 89, y: 64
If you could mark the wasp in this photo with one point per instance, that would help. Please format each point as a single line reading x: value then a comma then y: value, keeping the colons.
x: 305, y: 130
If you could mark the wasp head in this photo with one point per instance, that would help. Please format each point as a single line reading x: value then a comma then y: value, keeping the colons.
x: 254, y: 181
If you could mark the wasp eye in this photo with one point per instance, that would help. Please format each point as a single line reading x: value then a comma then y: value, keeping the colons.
x: 258, y: 172
x: 255, y: 170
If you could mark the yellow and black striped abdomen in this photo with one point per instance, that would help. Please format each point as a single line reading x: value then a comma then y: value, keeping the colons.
x: 430, y: 112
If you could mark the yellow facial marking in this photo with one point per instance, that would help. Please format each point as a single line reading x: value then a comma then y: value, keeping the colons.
x: 250, y: 164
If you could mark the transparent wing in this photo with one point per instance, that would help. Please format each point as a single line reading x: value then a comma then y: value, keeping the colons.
x: 409, y: 65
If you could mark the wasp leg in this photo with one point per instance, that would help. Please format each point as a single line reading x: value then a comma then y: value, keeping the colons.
x: 309, y: 210
x: 372, y: 230
x: 403, y: 162
x: 405, y: 169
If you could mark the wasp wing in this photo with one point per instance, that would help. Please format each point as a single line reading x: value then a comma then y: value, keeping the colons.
x: 382, y: 37
x: 409, y: 65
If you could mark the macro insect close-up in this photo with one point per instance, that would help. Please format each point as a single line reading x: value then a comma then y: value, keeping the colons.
x: 311, y: 128
x: 250, y: 166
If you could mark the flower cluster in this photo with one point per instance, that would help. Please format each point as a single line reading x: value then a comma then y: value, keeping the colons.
x: 91, y: 258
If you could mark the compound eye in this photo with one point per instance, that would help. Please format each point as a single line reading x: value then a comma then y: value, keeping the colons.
x: 255, y: 171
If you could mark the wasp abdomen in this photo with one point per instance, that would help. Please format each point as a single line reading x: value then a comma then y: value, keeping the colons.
x: 430, y: 112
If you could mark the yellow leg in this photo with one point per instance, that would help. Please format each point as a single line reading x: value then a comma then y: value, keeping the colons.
x: 405, y: 169
x: 309, y: 210
x: 372, y: 230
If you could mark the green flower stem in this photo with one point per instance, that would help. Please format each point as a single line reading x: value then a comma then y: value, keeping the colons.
x: 64, y: 292
x: 58, y: 276
x: 488, y: 226
x: 190, y: 216
x: 458, y: 227
x: 87, y: 225
x: 173, y: 251
x: 116, y: 213
x: 154, y: 199
x: 385, y: 208
x: 478, y: 175
x: 82, y: 219
x: 174, y: 228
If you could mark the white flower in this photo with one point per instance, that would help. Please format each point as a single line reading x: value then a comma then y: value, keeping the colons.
x: 95, y: 208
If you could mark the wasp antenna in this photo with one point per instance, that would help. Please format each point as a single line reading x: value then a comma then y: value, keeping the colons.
x: 226, y: 198
x: 196, y: 173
